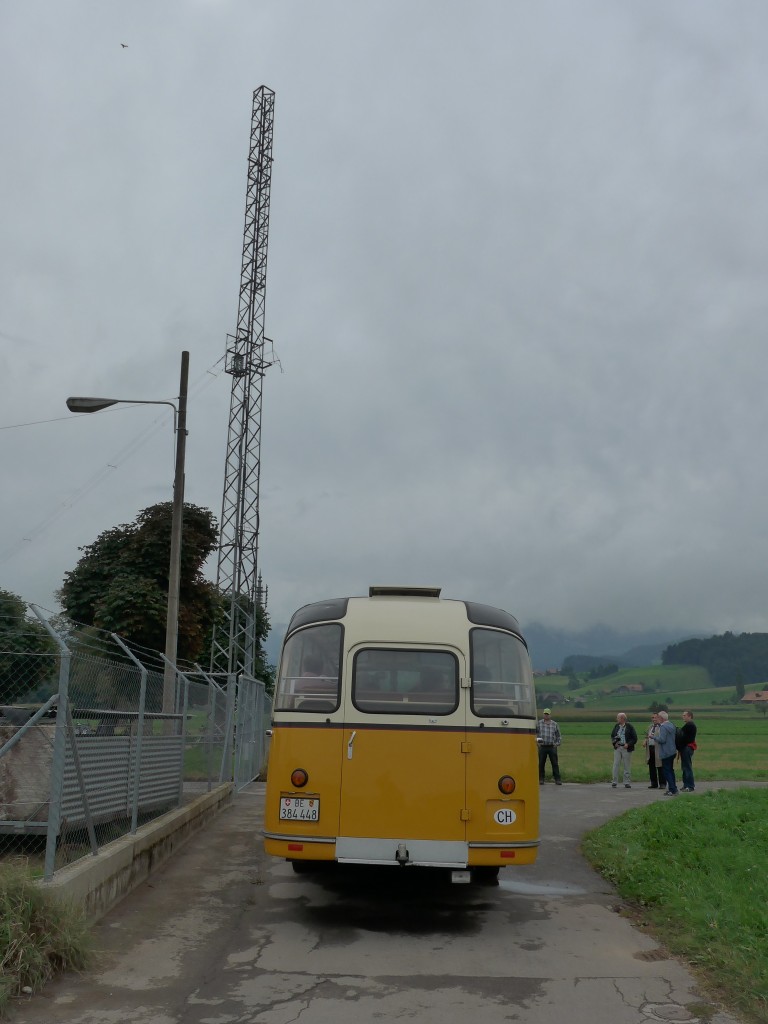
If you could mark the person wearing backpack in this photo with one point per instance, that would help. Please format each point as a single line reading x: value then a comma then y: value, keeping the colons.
x: 686, y: 747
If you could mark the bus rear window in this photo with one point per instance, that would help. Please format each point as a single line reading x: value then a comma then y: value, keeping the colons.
x: 502, y: 680
x: 309, y: 677
x: 405, y: 682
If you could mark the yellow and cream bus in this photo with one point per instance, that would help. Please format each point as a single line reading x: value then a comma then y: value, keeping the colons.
x: 404, y: 733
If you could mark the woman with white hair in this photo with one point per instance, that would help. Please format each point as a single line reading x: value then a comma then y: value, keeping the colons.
x: 667, y: 751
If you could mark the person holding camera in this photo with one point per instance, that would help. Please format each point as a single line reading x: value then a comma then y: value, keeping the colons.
x: 623, y: 738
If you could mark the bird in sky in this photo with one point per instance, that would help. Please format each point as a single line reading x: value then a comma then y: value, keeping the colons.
x: 124, y: 45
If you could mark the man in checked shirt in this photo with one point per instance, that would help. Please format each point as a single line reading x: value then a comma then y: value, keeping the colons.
x: 548, y: 738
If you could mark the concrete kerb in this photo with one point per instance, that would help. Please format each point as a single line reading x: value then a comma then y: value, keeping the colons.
x: 97, y: 883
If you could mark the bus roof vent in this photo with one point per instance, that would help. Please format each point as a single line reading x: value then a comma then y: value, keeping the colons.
x: 404, y: 591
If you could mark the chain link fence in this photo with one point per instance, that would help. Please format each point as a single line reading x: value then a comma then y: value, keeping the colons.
x: 97, y: 737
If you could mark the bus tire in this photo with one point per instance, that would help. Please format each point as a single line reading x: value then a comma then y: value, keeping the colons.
x: 304, y: 867
x: 485, y: 875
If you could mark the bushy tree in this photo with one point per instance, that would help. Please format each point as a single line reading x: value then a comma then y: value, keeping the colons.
x: 658, y: 706
x: 26, y: 663
x: 120, y: 583
x: 726, y: 657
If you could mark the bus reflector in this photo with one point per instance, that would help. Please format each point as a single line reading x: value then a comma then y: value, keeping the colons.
x: 299, y: 777
x: 507, y: 853
x: 507, y: 784
x: 298, y: 847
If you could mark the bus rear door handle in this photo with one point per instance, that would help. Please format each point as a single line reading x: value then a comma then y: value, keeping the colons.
x: 349, y: 745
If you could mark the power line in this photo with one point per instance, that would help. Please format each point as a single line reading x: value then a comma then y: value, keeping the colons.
x: 99, y: 476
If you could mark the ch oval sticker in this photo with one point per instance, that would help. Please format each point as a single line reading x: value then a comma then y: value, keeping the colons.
x: 505, y: 816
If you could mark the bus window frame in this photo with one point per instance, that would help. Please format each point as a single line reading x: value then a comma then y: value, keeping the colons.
x: 320, y: 703
x: 511, y: 708
x: 405, y: 707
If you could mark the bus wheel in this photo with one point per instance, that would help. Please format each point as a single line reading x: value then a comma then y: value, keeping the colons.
x: 304, y: 867
x: 485, y: 875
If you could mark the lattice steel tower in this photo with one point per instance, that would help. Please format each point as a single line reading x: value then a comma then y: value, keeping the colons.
x: 238, y: 574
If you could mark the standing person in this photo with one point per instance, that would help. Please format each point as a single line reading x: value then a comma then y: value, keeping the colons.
x: 665, y: 742
x: 655, y: 771
x: 624, y: 739
x: 687, y: 748
x: 549, y: 739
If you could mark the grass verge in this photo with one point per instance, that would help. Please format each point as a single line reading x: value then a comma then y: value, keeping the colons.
x: 39, y: 935
x: 697, y: 875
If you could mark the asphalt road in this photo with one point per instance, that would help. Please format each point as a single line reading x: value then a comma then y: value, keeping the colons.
x: 224, y: 935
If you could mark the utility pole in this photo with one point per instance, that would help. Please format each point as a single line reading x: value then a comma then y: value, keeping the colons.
x: 177, y: 526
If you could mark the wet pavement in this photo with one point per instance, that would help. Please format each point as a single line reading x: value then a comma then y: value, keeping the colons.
x: 225, y: 935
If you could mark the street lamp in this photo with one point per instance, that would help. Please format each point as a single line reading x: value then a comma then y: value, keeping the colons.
x: 80, y: 404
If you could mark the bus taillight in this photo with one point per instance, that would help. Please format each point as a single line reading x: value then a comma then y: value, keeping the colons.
x: 299, y: 778
x: 506, y: 785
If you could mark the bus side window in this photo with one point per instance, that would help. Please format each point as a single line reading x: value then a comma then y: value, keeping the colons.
x: 502, y: 681
x: 309, y: 678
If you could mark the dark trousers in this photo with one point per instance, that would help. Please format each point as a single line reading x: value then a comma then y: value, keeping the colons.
x: 686, y: 763
x: 655, y: 773
x: 669, y: 772
x: 551, y: 753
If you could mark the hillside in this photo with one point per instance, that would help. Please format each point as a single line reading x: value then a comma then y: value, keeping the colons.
x: 676, y: 686
x: 549, y: 647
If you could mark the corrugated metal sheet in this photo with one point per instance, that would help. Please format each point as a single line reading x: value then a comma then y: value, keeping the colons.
x: 108, y: 764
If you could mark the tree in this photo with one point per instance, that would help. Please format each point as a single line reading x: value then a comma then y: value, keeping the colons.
x: 261, y: 670
x: 657, y: 706
x: 24, y: 644
x: 120, y: 584
x: 726, y: 657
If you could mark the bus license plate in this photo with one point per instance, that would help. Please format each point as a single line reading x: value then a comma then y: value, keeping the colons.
x: 299, y: 808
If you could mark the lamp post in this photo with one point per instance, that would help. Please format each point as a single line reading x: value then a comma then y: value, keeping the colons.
x: 80, y: 404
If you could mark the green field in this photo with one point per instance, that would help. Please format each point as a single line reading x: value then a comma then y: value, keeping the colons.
x: 732, y: 737
x: 729, y: 747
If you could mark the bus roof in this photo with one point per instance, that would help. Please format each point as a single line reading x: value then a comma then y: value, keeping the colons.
x: 404, y: 610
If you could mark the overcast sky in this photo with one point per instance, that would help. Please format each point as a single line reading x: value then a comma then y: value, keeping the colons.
x: 517, y: 288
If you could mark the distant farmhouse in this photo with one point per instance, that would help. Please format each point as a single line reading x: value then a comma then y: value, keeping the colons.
x: 629, y: 688
x: 755, y: 697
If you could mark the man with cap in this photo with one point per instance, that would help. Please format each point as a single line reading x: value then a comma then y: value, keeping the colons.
x: 548, y: 739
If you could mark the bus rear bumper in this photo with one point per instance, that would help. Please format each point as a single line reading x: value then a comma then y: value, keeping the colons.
x: 393, y: 852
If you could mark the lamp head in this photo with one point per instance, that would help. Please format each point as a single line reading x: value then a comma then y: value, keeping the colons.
x: 90, y: 404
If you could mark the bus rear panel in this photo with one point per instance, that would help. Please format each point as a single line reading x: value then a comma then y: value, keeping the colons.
x: 404, y: 733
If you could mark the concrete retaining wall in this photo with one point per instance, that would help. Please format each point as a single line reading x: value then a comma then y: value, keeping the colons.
x: 98, y: 883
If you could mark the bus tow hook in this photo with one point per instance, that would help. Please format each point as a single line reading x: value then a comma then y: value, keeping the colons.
x: 402, y: 856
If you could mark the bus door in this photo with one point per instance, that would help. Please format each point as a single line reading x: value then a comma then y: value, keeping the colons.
x: 502, y: 745
x: 403, y: 766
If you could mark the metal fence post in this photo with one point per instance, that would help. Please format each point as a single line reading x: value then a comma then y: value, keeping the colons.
x: 183, y: 736
x: 139, y: 732
x: 210, y: 724
x: 180, y: 678
x: 225, y: 773
x: 59, y: 750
